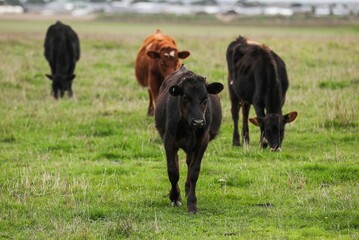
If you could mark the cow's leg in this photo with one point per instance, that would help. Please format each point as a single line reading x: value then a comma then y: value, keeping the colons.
x: 154, y: 83
x: 70, y: 73
x: 70, y: 91
x: 55, y: 92
x: 173, y: 171
x: 263, y: 141
x: 245, y: 130
x: 259, y: 108
x: 62, y: 93
x: 235, y: 108
x: 150, y: 111
x: 193, y: 174
x: 189, y: 160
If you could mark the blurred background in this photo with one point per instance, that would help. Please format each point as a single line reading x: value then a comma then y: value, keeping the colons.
x: 224, y: 9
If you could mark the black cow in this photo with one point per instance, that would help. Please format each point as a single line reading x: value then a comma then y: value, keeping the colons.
x: 188, y: 115
x: 258, y: 76
x: 62, y: 51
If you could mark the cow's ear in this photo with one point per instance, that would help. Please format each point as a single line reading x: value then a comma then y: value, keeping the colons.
x: 175, y: 90
x: 214, y: 88
x: 72, y: 77
x: 183, y: 54
x: 290, y: 117
x: 153, y: 54
x: 49, y: 76
x: 256, y: 121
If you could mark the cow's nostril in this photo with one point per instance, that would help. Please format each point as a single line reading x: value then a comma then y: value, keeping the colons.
x: 197, y: 122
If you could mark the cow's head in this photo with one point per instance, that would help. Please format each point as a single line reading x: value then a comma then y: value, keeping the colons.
x: 193, y: 98
x: 168, y: 58
x: 60, y: 83
x: 272, y: 126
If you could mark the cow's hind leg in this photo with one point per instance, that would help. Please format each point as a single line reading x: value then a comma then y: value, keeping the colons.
x: 151, y: 110
x: 235, y: 116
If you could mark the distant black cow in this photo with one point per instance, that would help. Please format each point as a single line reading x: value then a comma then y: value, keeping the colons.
x: 258, y: 76
x: 62, y: 51
x: 188, y: 115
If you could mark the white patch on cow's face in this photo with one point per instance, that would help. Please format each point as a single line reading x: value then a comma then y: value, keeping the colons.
x: 170, y: 54
x: 231, y: 82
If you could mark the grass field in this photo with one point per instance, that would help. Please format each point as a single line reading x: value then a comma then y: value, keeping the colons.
x: 94, y: 168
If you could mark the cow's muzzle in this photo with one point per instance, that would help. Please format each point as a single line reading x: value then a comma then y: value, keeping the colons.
x: 198, y: 123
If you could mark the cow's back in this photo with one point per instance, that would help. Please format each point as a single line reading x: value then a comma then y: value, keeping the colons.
x: 247, y: 66
x: 61, y: 40
x: 233, y: 54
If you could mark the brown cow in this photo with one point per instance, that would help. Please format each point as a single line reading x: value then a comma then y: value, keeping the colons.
x: 157, y: 58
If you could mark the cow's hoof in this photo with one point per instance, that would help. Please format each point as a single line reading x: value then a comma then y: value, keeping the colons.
x: 236, y: 143
x: 264, y: 145
x: 192, y: 208
x: 276, y: 149
x: 176, y: 204
x: 150, y: 112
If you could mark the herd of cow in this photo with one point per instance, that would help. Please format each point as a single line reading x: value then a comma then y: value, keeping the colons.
x: 186, y: 107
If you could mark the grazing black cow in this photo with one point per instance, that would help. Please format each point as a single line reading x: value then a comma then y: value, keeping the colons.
x: 258, y: 76
x: 62, y: 51
x: 188, y: 115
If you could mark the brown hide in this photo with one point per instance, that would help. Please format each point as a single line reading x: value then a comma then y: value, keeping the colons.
x: 157, y: 57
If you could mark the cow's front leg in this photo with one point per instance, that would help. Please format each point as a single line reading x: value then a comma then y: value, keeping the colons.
x: 55, y: 92
x: 189, y: 160
x: 259, y: 108
x: 263, y: 140
x: 70, y: 93
x: 173, y: 173
x: 193, y: 174
x: 245, y: 129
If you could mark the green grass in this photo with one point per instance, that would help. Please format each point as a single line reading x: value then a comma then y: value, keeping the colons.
x: 94, y: 168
